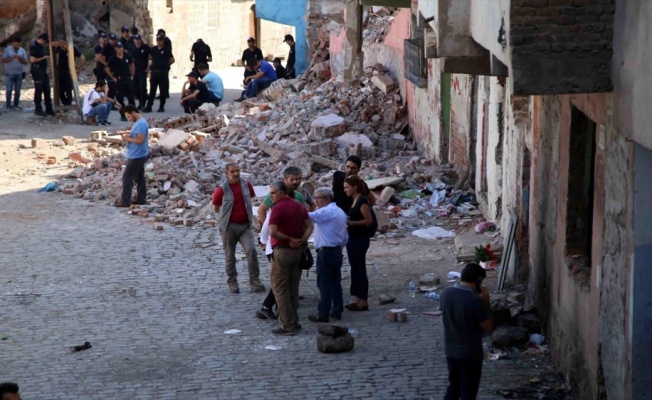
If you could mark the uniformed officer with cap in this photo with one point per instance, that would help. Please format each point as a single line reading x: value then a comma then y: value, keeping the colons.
x: 200, y: 53
x: 39, y: 72
x: 63, y: 70
x: 290, y: 71
x: 107, y: 52
x: 120, y: 70
x: 250, y: 52
x: 98, y: 71
x: 124, y: 39
x: 161, y: 59
x: 140, y: 54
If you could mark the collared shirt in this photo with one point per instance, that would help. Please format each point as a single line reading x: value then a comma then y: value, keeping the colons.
x: 268, y: 70
x: 37, y: 51
x: 14, y: 67
x: 140, y: 56
x: 330, y: 226
x: 62, y: 59
x: 121, y: 66
x: 214, y: 84
x: 289, y: 216
x: 160, y: 58
x: 141, y: 150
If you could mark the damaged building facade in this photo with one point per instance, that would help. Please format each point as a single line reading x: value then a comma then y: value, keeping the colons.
x: 541, y: 104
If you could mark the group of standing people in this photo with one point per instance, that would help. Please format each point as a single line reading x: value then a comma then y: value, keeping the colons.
x: 340, y: 218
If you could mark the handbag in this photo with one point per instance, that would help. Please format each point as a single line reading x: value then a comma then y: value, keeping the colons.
x: 307, y: 261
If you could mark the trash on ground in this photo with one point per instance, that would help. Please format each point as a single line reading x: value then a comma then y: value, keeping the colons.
x: 386, y: 299
x: 85, y: 346
x: 496, y: 355
x: 434, y: 232
x: 397, y: 316
x: 454, y: 274
x: 434, y: 313
x: 272, y: 347
x: 537, y: 339
x: 232, y: 331
x: 398, y: 310
x: 431, y: 295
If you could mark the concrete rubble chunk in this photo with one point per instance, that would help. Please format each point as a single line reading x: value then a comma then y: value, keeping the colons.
x: 332, y: 330
x: 508, y: 336
x: 329, y: 344
x: 384, y: 82
x: 173, y: 138
x: 329, y: 125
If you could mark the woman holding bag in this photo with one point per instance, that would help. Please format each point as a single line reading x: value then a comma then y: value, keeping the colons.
x: 358, y: 228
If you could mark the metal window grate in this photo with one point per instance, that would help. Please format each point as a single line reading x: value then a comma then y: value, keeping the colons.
x: 415, y: 62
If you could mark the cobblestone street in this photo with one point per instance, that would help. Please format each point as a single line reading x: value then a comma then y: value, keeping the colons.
x: 154, y: 306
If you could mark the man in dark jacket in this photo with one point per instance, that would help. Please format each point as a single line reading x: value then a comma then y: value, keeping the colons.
x: 289, y: 66
x: 250, y: 52
x: 39, y: 71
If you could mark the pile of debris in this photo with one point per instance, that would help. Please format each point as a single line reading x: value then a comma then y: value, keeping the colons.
x: 377, y: 24
x: 315, y: 129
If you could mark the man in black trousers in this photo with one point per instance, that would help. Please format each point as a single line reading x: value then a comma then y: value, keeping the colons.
x: 161, y: 59
x: 140, y: 54
x: 120, y: 70
x: 39, y: 71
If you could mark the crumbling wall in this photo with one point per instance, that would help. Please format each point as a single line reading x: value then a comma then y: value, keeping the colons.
x: 270, y: 39
x: 17, y: 18
x: 460, y: 122
x: 424, y: 111
x: 324, y: 18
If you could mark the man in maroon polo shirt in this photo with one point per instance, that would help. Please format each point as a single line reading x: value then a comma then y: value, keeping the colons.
x: 232, y: 203
x: 289, y: 228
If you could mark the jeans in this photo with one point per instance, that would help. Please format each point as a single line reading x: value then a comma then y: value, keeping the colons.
x: 286, y: 276
x: 257, y: 85
x: 463, y: 378
x: 158, y: 78
x: 243, y: 234
x: 101, y: 111
x: 191, y: 105
x: 356, y: 249
x: 135, y: 170
x: 329, y: 281
x: 14, y: 82
x: 41, y: 90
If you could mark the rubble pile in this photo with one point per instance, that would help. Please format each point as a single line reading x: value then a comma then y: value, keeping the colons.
x: 315, y: 129
x: 377, y: 23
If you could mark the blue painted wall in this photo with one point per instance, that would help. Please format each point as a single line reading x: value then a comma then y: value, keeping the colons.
x: 288, y: 12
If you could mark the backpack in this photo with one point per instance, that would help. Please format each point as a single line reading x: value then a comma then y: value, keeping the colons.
x: 307, y: 260
x: 373, y: 228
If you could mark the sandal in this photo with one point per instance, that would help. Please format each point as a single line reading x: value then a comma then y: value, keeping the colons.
x: 355, y: 307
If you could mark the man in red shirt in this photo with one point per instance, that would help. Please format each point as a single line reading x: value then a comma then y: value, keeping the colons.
x: 289, y: 228
x: 232, y: 203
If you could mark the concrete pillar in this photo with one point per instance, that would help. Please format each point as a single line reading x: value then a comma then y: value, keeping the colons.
x: 353, y: 56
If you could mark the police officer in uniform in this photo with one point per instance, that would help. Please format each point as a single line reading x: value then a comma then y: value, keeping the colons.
x: 161, y: 58
x: 98, y: 71
x: 290, y: 72
x: 124, y: 38
x: 63, y: 71
x: 200, y: 53
x: 107, y: 52
x: 121, y: 71
x: 140, y: 54
x: 250, y: 52
x: 39, y: 72
x: 131, y: 42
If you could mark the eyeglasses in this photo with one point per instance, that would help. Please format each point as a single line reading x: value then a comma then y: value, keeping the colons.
x: 319, y: 197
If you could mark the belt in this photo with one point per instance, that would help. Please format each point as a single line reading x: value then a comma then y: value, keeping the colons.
x: 328, y: 248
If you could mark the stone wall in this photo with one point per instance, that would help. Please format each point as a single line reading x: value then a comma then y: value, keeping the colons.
x: 424, y: 112
x: 461, y: 97
x: 561, y: 46
x: 324, y: 18
x: 17, y: 18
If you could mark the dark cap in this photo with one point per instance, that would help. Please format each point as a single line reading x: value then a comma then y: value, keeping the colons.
x: 202, y: 66
x: 251, y: 40
x: 199, y: 40
x: 112, y: 36
x: 288, y: 37
x: 44, y: 36
x: 124, y: 29
x: 193, y: 74
x: 119, y: 45
x: 100, y: 83
x: 134, y: 30
x: 161, y: 31
x: 102, y: 34
x: 160, y: 37
x: 137, y: 37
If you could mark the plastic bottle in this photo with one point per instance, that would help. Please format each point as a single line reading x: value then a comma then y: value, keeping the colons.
x: 431, y: 295
x: 413, y: 289
x: 354, y: 332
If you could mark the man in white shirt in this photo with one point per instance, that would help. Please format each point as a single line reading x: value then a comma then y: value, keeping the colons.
x: 331, y: 237
x: 97, y: 104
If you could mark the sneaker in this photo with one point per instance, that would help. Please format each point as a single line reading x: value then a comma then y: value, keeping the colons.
x: 266, y: 313
x: 257, y: 286
x: 317, y: 318
x: 17, y: 108
x: 40, y: 113
x: 283, y: 332
x: 234, y: 287
x: 240, y: 99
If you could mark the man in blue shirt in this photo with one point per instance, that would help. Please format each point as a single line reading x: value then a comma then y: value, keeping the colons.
x: 331, y: 236
x: 14, y: 58
x: 213, y: 82
x: 265, y: 75
x: 137, y: 155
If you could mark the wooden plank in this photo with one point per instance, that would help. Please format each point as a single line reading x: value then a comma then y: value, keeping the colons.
x: 71, y: 58
x: 387, y: 3
x: 49, y: 5
x: 509, y: 247
x: 376, y: 183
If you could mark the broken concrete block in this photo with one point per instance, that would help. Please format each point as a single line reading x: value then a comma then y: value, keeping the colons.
x: 385, y: 196
x: 188, y: 222
x: 275, y: 91
x: 332, y: 330
x: 38, y: 143
x: 355, y: 139
x: 173, y: 138
x: 69, y: 140
x: 508, y: 336
x: 51, y: 160
x: 114, y: 139
x: 384, y: 82
x: 158, y: 227
x: 191, y: 186
x: 329, y: 125
x: 397, y: 316
x: 77, y: 156
x: 386, y: 299
x: 96, y: 136
x: 329, y: 344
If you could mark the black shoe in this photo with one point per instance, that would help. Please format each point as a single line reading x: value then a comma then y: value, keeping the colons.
x: 160, y: 109
x: 297, y: 327
x: 240, y: 99
x: 266, y: 313
x: 140, y: 203
x: 50, y: 113
x: 317, y: 318
x: 123, y: 119
x: 140, y: 107
x: 334, y: 316
x: 40, y: 113
x: 147, y: 109
x: 157, y: 97
x: 283, y: 332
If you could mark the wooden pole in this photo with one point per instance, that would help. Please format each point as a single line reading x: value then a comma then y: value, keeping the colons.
x: 71, y: 56
x: 49, y: 4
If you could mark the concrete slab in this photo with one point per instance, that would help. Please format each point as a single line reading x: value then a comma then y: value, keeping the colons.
x: 376, y: 183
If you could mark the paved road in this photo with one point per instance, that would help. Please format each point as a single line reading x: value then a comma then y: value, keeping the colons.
x: 155, y: 306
